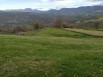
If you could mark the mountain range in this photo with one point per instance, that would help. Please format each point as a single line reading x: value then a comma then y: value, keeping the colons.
x: 79, y: 10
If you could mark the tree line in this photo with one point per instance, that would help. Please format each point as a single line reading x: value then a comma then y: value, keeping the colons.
x: 57, y: 23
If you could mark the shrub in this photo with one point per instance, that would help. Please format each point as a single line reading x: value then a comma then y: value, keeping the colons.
x: 22, y: 28
x: 38, y: 26
x: 6, y: 30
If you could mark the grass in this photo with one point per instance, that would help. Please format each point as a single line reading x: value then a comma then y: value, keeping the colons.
x: 51, y: 53
x: 89, y: 32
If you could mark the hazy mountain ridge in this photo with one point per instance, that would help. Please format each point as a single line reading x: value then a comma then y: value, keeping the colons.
x: 79, y: 10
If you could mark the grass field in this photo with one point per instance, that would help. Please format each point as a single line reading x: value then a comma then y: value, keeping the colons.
x: 89, y: 32
x: 51, y: 53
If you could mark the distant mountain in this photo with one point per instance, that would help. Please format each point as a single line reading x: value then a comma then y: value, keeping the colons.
x: 80, y: 10
x: 25, y: 10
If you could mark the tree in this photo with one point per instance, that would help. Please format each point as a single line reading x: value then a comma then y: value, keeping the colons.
x: 58, y: 23
x: 37, y: 26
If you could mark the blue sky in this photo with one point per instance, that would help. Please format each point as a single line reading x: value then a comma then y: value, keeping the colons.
x: 46, y: 4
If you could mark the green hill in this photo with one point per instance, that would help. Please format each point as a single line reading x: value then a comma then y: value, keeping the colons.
x: 90, y: 24
x: 51, y: 53
x: 54, y: 32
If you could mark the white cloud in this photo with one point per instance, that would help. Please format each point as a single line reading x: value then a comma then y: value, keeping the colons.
x: 46, y: 4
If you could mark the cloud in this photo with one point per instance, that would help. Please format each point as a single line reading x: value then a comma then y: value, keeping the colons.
x: 47, y: 4
x: 96, y: 0
x: 100, y: 2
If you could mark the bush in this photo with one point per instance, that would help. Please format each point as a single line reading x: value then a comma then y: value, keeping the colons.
x: 67, y: 26
x: 6, y: 30
x: 38, y: 26
x: 22, y: 28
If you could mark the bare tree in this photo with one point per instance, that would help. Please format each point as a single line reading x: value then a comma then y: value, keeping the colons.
x: 37, y: 25
x: 58, y: 23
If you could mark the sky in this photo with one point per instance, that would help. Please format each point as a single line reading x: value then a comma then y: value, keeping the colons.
x: 46, y: 4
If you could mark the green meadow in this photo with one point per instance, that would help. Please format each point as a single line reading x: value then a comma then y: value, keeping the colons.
x: 51, y: 52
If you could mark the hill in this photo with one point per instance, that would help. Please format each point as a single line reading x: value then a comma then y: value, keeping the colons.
x: 90, y: 24
x: 51, y: 53
x: 80, y: 10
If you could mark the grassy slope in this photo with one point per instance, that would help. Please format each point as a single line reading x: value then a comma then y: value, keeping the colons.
x: 51, y: 53
x: 90, y: 32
